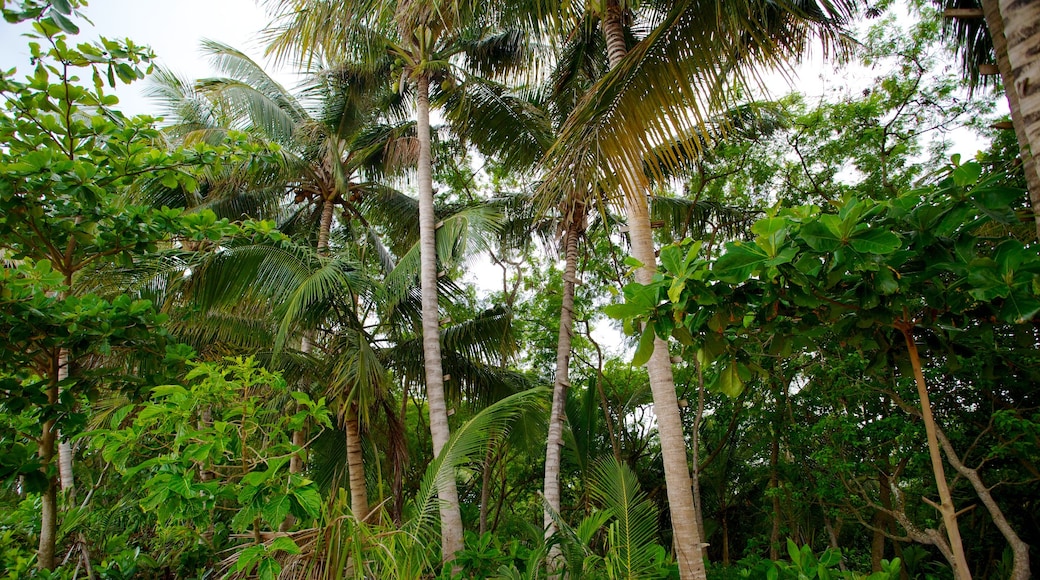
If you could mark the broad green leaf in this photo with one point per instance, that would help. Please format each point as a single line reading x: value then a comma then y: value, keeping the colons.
x: 967, y: 174
x: 244, y: 518
x: 739, y: 262
x: 308, y: 499
x: 771, y: 234
x: 830, y: 558
x: 62, y: 6
x: 794, y: 553
x: 729, y: 382
x: 269, y: 569
x: 626, y: 310
x: 823, y: 235
x: 874, y: 241
x: 169, y: 391
x: 675, y: 290
x: 997, y: 202
x: 645, y: 348
x: 284, y: 544
x: 276, y: 509
x: 64, y: 23
x: 1020, y: 306
x: 248, y: 557
x: 671, y: 260
x: 885, y: 282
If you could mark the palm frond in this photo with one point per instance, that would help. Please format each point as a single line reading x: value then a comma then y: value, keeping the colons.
x: 498, y: 122
x: 632, y: 548
x: 467, y: 445
x: 239, y: 66
x: 700, y: 219
x: 670, y: 83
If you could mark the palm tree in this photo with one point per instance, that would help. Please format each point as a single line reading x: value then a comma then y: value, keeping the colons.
x: 326, y: 148
x: 981, y: 41
x: 424, y: 37
x: 657, y: 91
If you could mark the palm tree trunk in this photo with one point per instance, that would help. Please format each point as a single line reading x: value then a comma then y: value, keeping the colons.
x: 995, y: 23
x: 325, y: 228
x: 685, y: 535
x: 945, y: 507
x: 1022, y: 34
x: 355, y: 464
x: 451, y: 516
x: 554, y: 442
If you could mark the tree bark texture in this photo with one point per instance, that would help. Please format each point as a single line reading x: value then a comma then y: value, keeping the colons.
x: 557, y: 416
x: 946, y: 507
x: 325, y: 228
x: 995, y: 23
x: 65, y: 451
x: 355, y: 464
x: 451, y: 516
x: 49, y: 506
x: 686, y: 537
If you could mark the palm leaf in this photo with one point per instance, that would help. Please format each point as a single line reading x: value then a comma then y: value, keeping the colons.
x: 467, y: 445
x: 633, y: 552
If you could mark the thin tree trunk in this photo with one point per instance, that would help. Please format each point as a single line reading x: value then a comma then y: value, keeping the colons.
x: 832, y: 539
x: 995, y: 23
x: 686, y: 537
x: 355, y: 464
x: 400, y: 459
x: 945, y: 507
x: 698, y: 505
x: 65, y: 451
x: 557, y: 416
x: 774, y: 476
x: 49, y: 507
x: 485, y: 486
x: 725, y: 537
x: 451, y: 515
x: 881, y: 519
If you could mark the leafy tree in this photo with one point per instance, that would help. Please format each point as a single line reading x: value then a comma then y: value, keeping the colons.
x: 70, y: 158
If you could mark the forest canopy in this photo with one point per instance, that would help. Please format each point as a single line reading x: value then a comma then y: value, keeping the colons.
x: 525, y: 291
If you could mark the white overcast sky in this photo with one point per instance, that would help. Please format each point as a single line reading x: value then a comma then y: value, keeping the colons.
x: 173, y: 28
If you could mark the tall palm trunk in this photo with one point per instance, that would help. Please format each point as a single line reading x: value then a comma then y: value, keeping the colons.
x: 991, y: 9
x: 1020, y: 18
x: 451, y: 516
x: 686, y: 536
x: 554, y: 442
x: 355, y: 464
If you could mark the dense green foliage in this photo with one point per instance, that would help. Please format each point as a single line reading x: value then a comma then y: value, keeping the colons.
x: 235, y: 386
